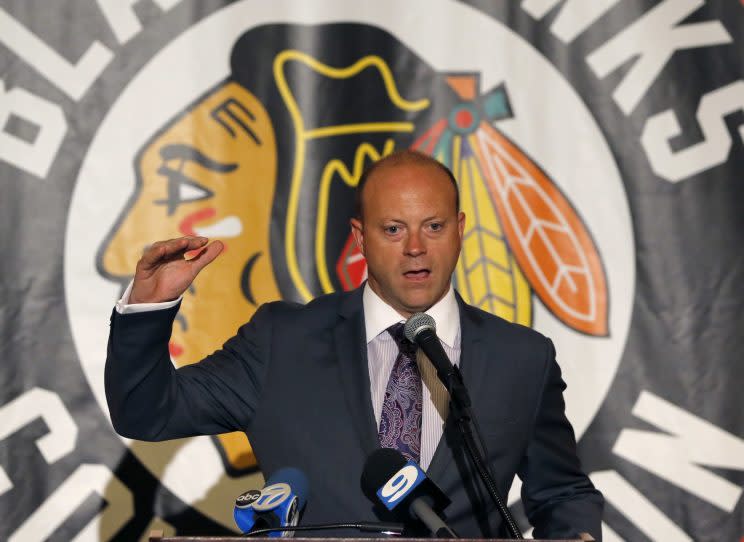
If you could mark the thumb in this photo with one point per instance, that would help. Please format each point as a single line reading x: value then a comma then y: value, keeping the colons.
x: 206, y: 256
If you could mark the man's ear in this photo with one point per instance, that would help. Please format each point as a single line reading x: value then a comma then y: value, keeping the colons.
x: 461, y: 223
x: 357, y: 230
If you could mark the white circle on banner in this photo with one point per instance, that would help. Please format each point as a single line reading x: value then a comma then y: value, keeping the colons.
x: 455, y: 38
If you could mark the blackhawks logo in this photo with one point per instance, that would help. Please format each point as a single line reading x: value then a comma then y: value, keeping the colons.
x: 267, y: 161
x: 265, y: 152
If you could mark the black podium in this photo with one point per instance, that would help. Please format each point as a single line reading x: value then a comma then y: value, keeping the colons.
x: 157, y: 536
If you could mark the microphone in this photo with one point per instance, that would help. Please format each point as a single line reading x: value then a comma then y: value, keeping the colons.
x: 278, y: 504
x: 404, y: 489
x: 421, y: 329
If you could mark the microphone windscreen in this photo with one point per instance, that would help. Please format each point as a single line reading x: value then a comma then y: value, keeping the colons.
x: 418, y: 322
x: 296, y: 480
x: 379, y: 467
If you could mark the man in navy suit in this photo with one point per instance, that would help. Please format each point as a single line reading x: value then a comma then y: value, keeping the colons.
x: 307, y: 383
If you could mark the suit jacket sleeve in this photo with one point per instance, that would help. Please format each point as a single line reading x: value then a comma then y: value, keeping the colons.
x: 559, y: 499
x: 149, y: 399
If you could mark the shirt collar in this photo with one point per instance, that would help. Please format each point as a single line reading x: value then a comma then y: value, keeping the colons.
x: 378, y: 316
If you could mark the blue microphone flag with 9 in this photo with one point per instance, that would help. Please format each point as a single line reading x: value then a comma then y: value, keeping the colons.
x: 277, y: 504
x: 401, y: 484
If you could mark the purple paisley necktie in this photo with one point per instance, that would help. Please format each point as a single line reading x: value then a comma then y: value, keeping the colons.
x: 400, y: 422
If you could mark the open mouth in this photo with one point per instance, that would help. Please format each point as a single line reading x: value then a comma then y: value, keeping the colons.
x: 417, y: 274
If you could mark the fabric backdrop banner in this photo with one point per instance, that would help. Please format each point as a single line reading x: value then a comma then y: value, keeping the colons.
x: 598, y: 148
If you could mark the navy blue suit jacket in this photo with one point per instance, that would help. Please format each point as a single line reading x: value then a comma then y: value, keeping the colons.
x: 295, y: 379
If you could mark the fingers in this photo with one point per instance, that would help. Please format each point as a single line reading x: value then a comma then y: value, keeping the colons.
x: 206, y: 256
x: 166, y: 269
x: 161, y: 251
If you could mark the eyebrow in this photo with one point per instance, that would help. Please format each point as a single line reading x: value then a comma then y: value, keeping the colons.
x: 427, y: 219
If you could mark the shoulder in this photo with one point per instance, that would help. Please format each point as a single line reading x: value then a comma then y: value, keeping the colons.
x: 518, y: 349
x: 494, y: 329
x: 317, y: 311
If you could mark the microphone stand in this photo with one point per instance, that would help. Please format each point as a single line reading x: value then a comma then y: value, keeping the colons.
x: 460, y: 409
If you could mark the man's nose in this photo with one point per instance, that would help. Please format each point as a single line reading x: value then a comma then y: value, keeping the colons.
x: 415, y: 244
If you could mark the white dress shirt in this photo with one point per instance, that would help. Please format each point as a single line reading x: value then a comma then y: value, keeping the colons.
x: 381, y: 354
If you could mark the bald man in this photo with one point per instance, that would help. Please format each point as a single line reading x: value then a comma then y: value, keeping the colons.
x: 310, y: 384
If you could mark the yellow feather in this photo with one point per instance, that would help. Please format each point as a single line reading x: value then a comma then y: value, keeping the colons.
x: 487, y: 274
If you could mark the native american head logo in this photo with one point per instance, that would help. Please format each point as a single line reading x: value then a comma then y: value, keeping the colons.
x: 267, y: 161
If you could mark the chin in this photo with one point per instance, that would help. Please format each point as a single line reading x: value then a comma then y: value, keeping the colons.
x: 419, y: 306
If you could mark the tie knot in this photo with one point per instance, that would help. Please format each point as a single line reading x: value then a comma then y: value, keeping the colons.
x: 397, y: 332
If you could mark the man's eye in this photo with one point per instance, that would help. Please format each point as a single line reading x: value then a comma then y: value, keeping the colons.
x: 392, y: 229
x: 436, y: 226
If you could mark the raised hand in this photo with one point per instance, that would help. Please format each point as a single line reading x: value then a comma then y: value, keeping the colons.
x: 164, y: 273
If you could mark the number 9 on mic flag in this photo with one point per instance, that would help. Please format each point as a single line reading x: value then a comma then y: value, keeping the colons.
x: 399, y: 485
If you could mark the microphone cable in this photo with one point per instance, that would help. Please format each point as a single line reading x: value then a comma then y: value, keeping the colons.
x: 390, y: 529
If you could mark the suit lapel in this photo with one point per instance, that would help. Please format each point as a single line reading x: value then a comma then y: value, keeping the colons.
x: 473, y: 367
x: 472, y: 358
x: 351, y: 349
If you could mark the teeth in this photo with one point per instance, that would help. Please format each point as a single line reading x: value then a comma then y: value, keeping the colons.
x: 230, y: 226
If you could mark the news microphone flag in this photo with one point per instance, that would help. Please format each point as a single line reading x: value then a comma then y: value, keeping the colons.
x: 278, y: 504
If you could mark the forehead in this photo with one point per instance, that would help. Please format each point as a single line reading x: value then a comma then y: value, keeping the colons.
x: 406, y: 180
